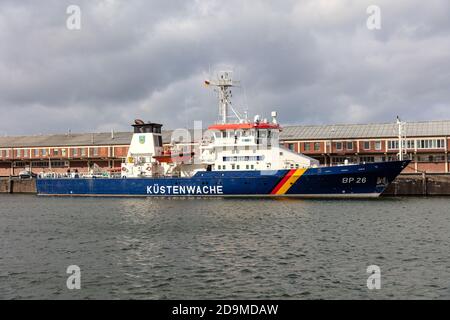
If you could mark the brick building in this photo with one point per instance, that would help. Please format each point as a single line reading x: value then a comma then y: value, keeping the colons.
x: 426, y: 144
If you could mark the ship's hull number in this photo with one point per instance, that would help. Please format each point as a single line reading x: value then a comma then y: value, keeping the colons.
x: 358, y: 180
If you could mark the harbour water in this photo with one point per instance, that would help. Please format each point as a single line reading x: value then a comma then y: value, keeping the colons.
x: 131, y: 248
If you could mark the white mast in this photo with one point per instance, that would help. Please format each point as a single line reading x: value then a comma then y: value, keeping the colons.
x: 224, y: 83
x: 401, y: 138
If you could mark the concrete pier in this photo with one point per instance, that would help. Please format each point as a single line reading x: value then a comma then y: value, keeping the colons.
x: 420, y: 185
x: 16, y: 185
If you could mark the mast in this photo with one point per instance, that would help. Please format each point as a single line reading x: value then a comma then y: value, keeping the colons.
x: 401, y: 139
x: 224, y: 83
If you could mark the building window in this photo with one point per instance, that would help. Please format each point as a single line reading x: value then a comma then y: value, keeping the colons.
x: 95, y: 151
x: 238, y: 167
x: 430, y: 158
x: 83, y: 152
x: 342, y: 160
x: 44, y: 152
x: 75, y: 152
x: 233, y: 167
x: 307, y: 146
x: 366, y: 145
x: 291, y: 146
x: 55, y: 152
x: 316, y: 146
x: 431, y: 144
x: 63, y: 151
x: 338, y: 145
x: 46, y: 164
x: 393, y: 144
x: 377, y: 145
x: 19, y: 153
x: 367, y: 159
x: 350, y: 145
x: 252, y: 166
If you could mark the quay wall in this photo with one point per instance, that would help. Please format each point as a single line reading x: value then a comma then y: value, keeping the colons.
x: 420, y: 185
x: 16, y: 185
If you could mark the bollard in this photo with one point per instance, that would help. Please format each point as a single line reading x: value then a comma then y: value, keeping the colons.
x: 10, y: 185
x: 424, y: 184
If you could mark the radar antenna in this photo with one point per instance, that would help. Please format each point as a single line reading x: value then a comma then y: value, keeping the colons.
x: 224, y: 83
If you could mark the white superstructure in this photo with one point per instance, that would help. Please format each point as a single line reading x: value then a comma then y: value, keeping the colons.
x: 232, y: 144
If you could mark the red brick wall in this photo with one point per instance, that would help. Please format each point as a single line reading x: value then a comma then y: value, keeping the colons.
x: 311, y: 147
x: 120, y: 152
x: 430, y: 167
x: 371, y: 147
x: 103, y: 152
x: 409, y: 169
x: 5, y: 169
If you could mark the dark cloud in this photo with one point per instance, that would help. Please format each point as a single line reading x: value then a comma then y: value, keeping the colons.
x: 313, y: 60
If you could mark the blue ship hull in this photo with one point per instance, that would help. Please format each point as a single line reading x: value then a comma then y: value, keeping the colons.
x: 363, y: 180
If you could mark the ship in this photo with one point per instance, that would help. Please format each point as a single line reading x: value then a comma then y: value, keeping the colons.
x: 234, y: 157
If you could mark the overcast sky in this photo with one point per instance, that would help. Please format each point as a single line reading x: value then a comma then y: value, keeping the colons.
x: 315, y: 61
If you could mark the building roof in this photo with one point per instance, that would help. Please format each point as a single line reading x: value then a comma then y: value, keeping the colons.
x: 73, y: 139
x: 301, y: 132
x: 355, y: 131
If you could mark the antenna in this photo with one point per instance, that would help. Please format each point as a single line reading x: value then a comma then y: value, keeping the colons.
x: 401, y: 139
x: 224, y: 83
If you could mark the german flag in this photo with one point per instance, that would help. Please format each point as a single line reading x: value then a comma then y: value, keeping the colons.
x: 288, y: 181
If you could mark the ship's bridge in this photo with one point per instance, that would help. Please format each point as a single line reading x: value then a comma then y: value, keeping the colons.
x: 244, y: 134
x: 149, y: 127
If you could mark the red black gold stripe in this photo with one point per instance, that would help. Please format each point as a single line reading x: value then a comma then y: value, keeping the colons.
x: 288, y: 180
